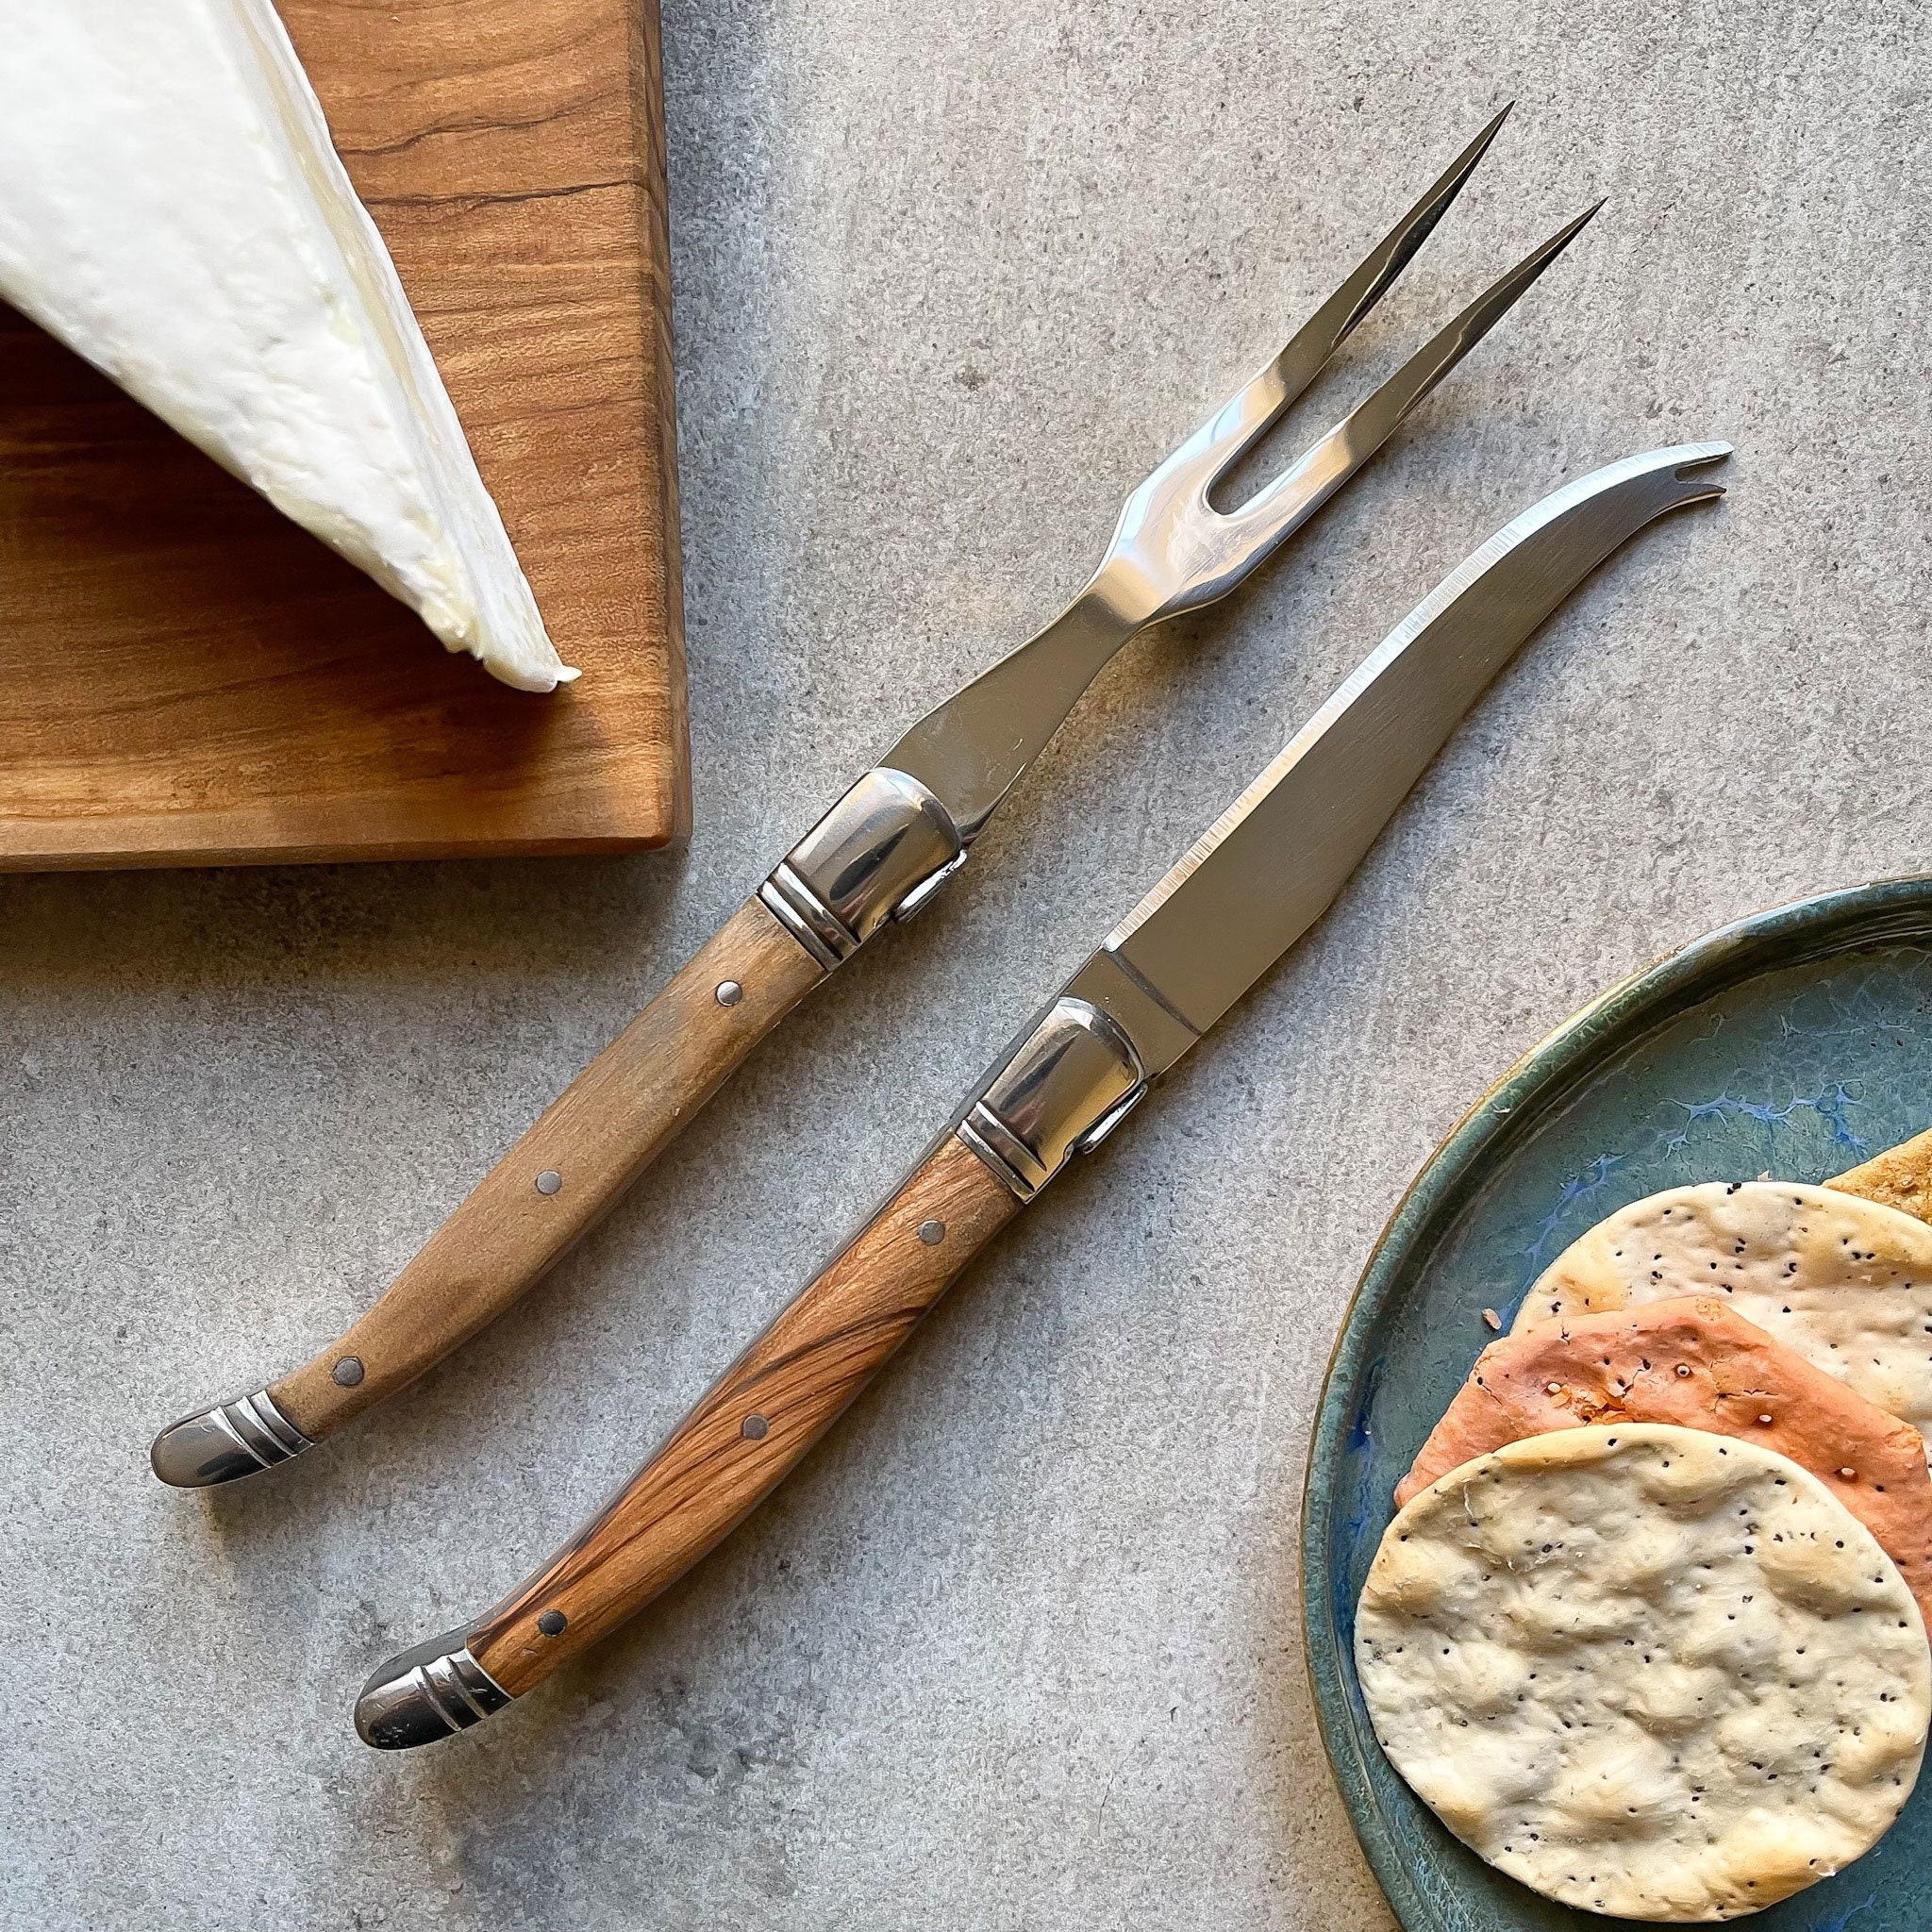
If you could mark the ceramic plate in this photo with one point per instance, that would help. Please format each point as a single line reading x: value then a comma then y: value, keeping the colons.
x: 1794, y: 1044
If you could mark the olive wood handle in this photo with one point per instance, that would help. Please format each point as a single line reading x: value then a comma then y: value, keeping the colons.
x: 566, y: 1172
x: 756, y: 1424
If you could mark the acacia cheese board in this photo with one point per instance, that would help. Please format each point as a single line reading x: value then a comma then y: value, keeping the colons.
x: 189, y: 678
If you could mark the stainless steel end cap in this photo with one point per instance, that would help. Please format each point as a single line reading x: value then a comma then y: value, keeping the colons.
x: 427, y: 1693
x: 219, y: 1445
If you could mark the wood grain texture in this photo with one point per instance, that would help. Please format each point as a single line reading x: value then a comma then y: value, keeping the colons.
x: 596, y: 1138
x: 187, y: 678
x: 795, y: 1380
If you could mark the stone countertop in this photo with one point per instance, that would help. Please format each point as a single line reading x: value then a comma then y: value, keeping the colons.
x: 1018, y: 1647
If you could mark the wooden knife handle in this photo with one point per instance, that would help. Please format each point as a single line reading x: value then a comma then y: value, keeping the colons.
x: 565, y: 1173
x: 755, y: 1424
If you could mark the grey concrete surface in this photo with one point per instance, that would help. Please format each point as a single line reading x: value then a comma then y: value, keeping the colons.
x: 1018, y: 1647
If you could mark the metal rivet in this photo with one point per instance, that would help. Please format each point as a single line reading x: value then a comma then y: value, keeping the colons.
x: 932, y: 1232
x: 730, y: 992
x: 553, y: 1622
x: 347, y: 1372
x: 549, y: 1181
x: 753, y: 1428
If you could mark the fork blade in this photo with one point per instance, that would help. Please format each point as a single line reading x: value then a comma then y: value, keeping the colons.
x: 1284, y: 505
x: 1251, y: 411
x: 1172, y: 551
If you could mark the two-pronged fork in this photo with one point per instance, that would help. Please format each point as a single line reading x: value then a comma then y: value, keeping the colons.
x: 878, y: 855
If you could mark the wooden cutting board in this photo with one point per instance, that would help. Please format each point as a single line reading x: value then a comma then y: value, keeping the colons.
x: 187, y: 678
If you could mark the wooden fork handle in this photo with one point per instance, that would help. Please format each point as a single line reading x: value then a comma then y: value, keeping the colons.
x: 566, y: 1172
x: 755, y: 1424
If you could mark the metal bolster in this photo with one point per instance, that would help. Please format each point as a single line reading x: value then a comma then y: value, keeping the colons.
x: 798, y: 909
x: 880, y: 854
x: 1069, y: 1082
x: 431, y: 1691
x: 216, y: 1445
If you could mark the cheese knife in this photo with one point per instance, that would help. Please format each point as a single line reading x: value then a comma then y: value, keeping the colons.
x: 1253, y: 883
x: 877, y: 855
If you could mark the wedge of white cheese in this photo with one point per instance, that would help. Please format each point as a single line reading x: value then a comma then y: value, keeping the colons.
x: 172, y: 206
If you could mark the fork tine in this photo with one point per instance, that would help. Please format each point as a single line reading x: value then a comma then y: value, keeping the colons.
x: 1253, y: 408
x: 1281, y: 509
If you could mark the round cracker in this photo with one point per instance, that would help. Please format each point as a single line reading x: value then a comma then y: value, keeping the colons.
x: 1696, y: 1362
x: 1646, y: 1671
x: 1846, y: 1282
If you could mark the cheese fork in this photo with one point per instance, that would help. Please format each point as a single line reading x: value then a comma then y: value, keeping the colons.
x: 1224, y: 914
x: 879, y: 855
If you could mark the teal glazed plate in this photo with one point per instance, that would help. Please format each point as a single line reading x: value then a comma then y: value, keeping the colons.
x: 1797, y: 1043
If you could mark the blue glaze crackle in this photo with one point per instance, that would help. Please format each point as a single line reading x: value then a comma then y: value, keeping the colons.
x: 1798, y: 1043
x: 1838, y: 1922
x: 1362, y: 1528
x: 1830, y: 1108
x: 1567, y: 1217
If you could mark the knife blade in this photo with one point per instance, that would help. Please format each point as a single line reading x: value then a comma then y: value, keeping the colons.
x: 1218, y: 920
x: 1265, y: 871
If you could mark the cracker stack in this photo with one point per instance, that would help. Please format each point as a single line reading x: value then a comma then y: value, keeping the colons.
x: 1649, y: 1630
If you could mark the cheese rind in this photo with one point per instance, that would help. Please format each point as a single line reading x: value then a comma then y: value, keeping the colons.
x: 173, y: 209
